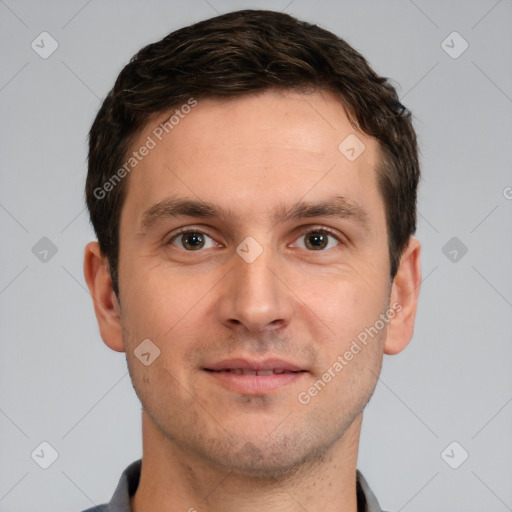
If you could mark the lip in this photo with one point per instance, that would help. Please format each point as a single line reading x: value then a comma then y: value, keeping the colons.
x: 251, y: 364
x: 232, y: 374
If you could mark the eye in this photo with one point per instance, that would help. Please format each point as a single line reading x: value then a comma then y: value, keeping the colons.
x: 318, y: 240
x: 191, y: 240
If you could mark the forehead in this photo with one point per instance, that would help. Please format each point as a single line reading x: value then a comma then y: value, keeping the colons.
x: 254, y: 152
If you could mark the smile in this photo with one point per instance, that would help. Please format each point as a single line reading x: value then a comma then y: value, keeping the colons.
x: 252, y: 377
x: 244, y: 371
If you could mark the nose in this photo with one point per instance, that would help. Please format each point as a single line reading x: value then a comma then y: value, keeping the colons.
x: 253, y: 296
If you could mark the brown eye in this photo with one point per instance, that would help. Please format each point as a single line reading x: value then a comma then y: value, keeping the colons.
x: 318, y: 240
x: 191, y: 240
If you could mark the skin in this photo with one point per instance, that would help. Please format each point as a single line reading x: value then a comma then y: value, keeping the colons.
x: 213, y: 448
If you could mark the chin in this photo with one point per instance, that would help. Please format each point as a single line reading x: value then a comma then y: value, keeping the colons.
x: 270, y: 462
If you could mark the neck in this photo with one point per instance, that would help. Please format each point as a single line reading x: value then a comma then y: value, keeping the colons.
x: 172, y: 479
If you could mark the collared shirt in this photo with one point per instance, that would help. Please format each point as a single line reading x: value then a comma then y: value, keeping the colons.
x: 120, y: 502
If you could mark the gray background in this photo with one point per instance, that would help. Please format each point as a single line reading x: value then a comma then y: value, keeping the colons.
x: 62, y: 385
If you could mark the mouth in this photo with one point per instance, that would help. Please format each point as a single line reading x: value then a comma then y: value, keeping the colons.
x: 245, y: 371
x: 250, y: 377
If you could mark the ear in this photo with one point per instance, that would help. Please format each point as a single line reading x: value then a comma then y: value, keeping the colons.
x: 404, y: 293
x: 106, y: 306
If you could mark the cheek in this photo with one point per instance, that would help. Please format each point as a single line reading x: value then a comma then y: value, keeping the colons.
x: 156, y: 300
x: 168, y: 310
x: 346, y: 301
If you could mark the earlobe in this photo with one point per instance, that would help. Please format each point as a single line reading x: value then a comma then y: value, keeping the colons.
x: 106, y: 306
x: 404, y: 293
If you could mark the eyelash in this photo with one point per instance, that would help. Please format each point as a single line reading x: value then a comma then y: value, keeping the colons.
x: 320, y: 229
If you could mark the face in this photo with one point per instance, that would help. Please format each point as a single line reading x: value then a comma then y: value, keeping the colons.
x: 282, y: 264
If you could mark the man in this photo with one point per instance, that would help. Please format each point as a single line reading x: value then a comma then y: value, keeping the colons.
x: 252, y: 183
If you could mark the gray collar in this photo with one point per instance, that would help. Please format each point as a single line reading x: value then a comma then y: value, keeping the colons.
x: 120, y: 502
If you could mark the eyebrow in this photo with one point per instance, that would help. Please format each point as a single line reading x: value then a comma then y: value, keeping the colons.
x: 335, y: 207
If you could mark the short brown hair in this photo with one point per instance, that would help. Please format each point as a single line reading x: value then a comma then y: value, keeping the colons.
x: 239, y: 53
